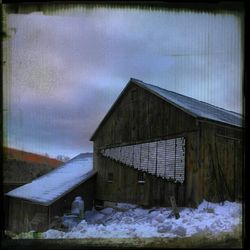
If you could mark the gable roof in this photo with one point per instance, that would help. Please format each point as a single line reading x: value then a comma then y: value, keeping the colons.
x: 50, y: 187
x: 193, y: 107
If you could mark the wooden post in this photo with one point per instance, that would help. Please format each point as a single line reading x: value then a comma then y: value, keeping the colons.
x: 174, y: 207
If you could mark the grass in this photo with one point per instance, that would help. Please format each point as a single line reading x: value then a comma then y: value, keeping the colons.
x: 203, y: 240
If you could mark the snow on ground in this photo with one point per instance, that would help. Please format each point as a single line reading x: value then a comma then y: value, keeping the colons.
x: 209, y: 218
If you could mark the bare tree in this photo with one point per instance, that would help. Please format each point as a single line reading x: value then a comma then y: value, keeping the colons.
x: 62, y: 158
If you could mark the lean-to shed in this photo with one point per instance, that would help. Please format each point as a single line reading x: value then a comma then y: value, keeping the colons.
x: 34, y: 205
x: 154, y: 143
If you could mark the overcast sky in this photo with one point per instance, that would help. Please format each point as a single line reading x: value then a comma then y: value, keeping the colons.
x: 66, y: 70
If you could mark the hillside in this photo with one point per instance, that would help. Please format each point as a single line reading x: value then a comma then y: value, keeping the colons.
x: 19, y: 155
x: 22, y: 167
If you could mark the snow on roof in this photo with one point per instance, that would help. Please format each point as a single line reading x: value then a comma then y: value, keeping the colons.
x: 194, y: 107
x: 47, y: 188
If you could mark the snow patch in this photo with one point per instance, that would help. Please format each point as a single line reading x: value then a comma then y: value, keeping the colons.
x: 160, y: 218
x: 208, y: 218
x: 53, y: 234
x: 126, y: 205
x: 107, y: 210
x: 164, y: 228
x: 180, y: 231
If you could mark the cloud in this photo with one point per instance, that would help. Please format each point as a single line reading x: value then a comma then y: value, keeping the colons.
x: 66, y: 71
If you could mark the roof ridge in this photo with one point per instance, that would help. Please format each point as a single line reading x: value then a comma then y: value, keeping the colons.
x: 190, y: 107
x: 133, y: 79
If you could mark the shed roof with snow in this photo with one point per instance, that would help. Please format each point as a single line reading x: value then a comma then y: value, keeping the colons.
x: 52, y: 186
x: 191, y: 106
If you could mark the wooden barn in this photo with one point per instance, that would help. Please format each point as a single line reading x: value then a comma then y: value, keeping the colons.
x: 34, y: 206
x: 154, y: 143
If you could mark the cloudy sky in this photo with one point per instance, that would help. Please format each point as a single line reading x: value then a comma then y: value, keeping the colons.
x: 65, y: 70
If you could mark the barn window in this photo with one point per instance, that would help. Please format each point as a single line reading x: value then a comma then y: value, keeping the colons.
x: 141, y: 177
x: 164, y: 158
x: 110, y: 177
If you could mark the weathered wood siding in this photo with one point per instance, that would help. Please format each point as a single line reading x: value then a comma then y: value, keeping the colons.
x: 22, y: 213
x: 140, y: 116
x: 222, y: 155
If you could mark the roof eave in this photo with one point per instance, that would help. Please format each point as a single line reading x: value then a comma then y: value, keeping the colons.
x: 94, y: 172
x: 164, y: 98
x: 142, y: 85
x: 110, y: 110
x: 203, y: 119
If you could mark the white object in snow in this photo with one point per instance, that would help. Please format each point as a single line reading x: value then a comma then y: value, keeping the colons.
x: 77, y: 207
x: 107, y: 210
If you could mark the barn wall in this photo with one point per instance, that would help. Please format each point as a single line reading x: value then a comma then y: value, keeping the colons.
x: 222, y: 157
x: 155, y: 190
x: 25, y: 216
x: 141, y: 118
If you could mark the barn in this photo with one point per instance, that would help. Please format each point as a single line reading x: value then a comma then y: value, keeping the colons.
x: 34, y: 206
x: 154, y: 143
